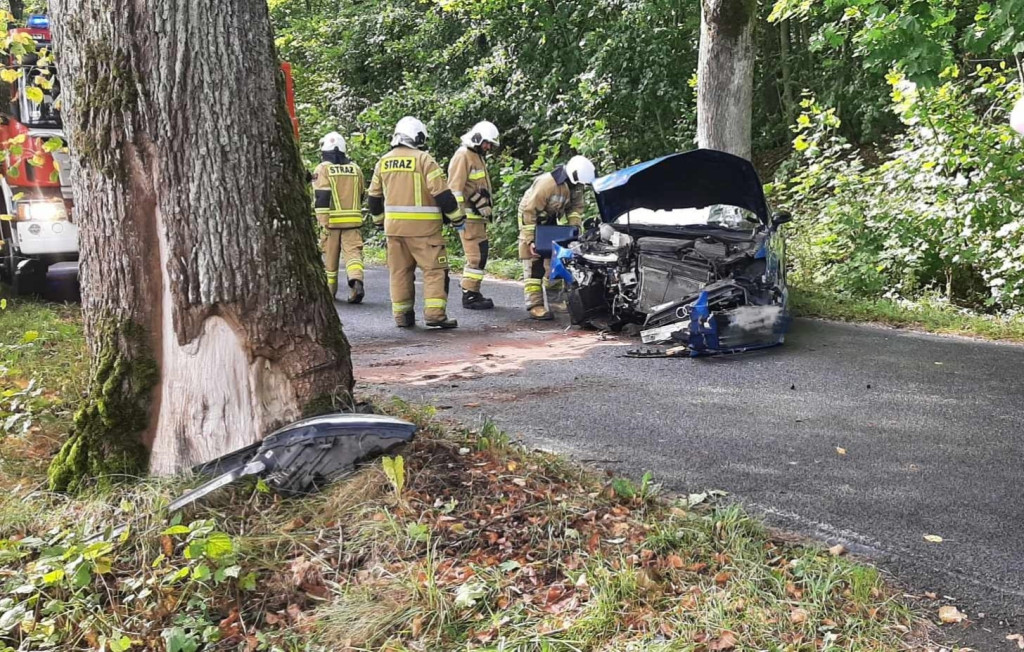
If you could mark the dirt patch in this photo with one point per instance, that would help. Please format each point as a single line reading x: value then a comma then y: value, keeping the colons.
x: 479, y: 357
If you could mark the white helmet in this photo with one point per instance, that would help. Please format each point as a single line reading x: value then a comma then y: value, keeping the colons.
x: 579, y: 169
x: 482, y: 132
x: 333, y: 141
x: 410, y: 132
x: 1017, y: 117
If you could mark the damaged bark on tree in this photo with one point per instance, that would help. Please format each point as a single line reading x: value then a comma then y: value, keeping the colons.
x: 725, y: 75
x: 206, y: 311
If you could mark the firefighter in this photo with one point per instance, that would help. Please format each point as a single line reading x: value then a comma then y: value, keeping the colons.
x: 551, y: 197
x: 339, y: 188
x: 471, y: 185
x: 410, y: 199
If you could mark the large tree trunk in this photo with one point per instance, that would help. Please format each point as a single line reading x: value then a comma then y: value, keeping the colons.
x: 204, y: 300
x: 725, y: 75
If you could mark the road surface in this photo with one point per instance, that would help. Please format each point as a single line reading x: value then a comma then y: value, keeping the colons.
x: 864, y: 436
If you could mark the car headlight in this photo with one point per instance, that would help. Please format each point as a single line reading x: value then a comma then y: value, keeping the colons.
x: 47, y: 211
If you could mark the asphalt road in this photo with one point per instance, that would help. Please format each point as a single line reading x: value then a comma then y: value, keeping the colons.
x: 931, y: 430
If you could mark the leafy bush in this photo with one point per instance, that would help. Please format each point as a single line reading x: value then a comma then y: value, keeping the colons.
x: 939, y: 214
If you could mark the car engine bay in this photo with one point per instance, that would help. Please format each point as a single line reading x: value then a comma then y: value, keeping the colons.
x: 653, y: 276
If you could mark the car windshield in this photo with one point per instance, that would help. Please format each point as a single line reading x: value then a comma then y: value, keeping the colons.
x: 720, y: 215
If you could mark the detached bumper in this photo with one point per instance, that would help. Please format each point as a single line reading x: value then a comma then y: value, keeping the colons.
x: 704, y: 326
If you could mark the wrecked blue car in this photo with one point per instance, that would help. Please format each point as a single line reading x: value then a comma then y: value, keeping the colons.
x: 686, y: 252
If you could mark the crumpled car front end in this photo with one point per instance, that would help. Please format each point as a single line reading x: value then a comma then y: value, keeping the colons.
x: 698, y: 269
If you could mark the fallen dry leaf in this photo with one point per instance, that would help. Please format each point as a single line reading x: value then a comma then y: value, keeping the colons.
x: 1018, y: 639
x: 797, y: 616
x: 726, y: 641
x: 950, y: 614
x: 837, y: 551
x: 931, y: 596
x: 932, y: 538
x: 417, y: 626
x: 723, y: 577
x: 840, y: 450
x: 294, y: 524
x: 675, y: 561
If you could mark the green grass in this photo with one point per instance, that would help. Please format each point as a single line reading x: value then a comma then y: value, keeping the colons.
x: 43, y: 364
x: 484, y: 545
x: 922, y: 315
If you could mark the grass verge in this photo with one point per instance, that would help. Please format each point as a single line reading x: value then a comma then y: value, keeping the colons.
x: 470, y: 543
x: 929, y: 317
x: 43, y: 364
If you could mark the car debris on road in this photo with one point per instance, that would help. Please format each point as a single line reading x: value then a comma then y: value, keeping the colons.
x: 301, y: 458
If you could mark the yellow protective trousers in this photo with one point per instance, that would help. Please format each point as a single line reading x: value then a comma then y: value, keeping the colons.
x: 347, y: 243
x: 535, y: 281
x: 405, y: 254
x: 476, y: 247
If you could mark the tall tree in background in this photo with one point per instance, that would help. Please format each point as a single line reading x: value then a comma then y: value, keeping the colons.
x: 206, y: 311
x: 725, y: 75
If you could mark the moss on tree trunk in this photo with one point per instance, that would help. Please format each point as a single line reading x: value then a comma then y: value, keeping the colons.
x: 104, y: 442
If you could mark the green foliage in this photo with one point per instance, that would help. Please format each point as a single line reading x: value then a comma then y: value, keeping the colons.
x: 601, y: 79
x: 63, y: 591
x: 394, y: 469
x: 938, y: 214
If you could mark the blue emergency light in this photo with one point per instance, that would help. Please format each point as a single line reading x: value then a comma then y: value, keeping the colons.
x: 39, y: 21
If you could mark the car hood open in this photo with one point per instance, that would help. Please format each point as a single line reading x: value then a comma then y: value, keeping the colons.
x: 694, y: 179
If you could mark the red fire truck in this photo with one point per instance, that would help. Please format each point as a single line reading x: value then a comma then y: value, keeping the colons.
x: 38, y: 236
x: 36, y: 224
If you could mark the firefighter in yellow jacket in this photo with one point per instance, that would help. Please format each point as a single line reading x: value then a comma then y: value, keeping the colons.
x: 338, y: 188
x: 553, y: 196
x: 471, y: 185
x: 409, y: 197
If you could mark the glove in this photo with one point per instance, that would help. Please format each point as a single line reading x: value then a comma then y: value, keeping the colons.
x: 485, y: 211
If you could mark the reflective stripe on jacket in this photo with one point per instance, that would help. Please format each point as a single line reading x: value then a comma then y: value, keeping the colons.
x: 408, y: 180
x: 338, y: 190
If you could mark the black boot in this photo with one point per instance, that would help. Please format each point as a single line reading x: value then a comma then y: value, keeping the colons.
x: 475, y: 301
x: 405, y: 320
x: 444, y: 323
x: 357, y: 293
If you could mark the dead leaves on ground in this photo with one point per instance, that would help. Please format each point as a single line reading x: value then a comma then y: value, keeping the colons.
x: 949, y: 614
x: 512, y: 535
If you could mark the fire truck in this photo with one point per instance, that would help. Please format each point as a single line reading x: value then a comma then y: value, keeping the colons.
x: 36, y: 225
x: 38, y: 235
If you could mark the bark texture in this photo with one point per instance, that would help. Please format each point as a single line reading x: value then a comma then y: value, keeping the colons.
x: 725, y: 75
x: 199, y: 258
